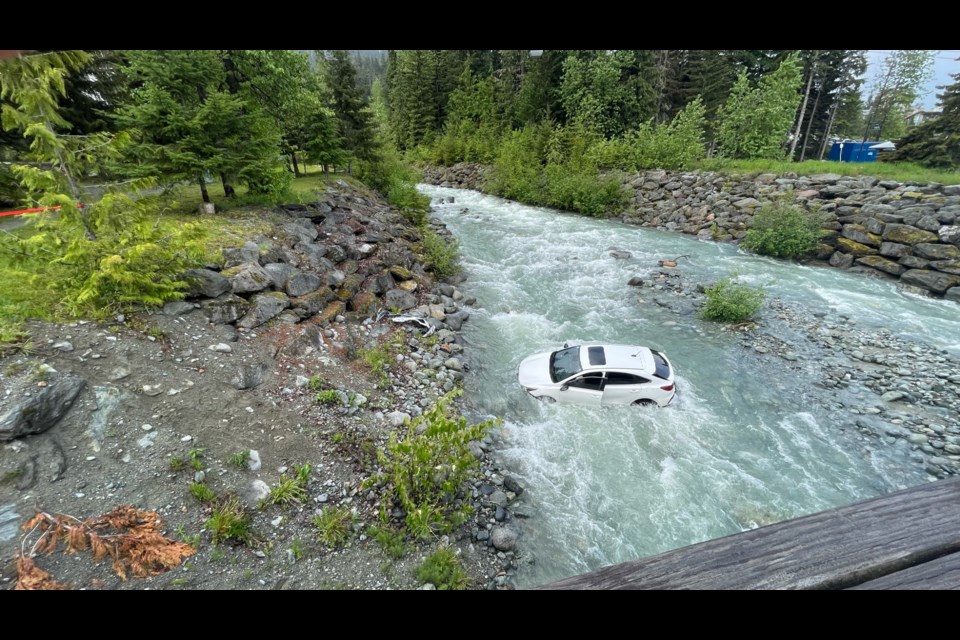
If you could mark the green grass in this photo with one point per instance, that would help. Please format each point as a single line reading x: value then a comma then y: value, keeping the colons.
x: 196, y: 458
x: 177, y: 464
x: 240, y: 458
x: 229, y: 521
x: 394, y: 543
x: 328, y: 396
x: 291, y: 489
x: 334, y: 526
x: 900, y: 171
x: 202, y: 492
x: 443, y: 570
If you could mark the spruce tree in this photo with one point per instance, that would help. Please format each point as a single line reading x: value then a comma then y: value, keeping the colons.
x: 936, y: 143
x: 356, y: 129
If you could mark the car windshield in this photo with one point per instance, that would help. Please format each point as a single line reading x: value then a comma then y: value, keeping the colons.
x: 564, y: 363
x: 663, y: 369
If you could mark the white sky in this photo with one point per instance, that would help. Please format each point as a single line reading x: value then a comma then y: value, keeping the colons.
x: 944, y: 65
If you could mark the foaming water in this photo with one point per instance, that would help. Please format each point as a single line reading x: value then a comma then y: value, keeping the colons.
x: 743, y: 445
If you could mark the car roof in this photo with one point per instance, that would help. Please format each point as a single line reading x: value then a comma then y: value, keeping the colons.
x: 616, y: 356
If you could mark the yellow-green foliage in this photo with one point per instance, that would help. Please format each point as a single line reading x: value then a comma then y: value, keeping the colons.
x: 425, y: 468
x: 441, y: 255
x: 730, y: 301
x: 443, y: 570
x: 334, y: 526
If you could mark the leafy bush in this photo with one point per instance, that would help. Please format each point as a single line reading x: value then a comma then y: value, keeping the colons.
x: 783, y: 231
x: 394, y: 543
x: 229, y: 521
x: 425, y: 469
x: 328, y: 396
x: 443, y: 570
x: 441, y: 255
x: 396, y: 180
x: 729, y: 301
x: 583, y: 191
x: 517, y: 168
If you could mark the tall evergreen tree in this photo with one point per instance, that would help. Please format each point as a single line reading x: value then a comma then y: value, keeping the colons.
x: 356, y: 128
x: 936, y: 143
x: 903, y: 73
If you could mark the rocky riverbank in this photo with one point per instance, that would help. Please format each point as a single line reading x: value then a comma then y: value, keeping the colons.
x: 892, y: 391
x: 907, y: 231
x: 306, y: 349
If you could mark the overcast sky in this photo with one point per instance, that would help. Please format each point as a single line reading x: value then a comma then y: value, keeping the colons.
x: 944, y: 65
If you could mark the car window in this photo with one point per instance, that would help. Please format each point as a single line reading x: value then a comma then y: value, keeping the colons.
x: 663, y: 369
x: 588, y: 381
x: 564, y: 363
x: 616, y: 377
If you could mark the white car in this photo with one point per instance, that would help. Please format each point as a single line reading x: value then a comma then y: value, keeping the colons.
x: 599, y: 375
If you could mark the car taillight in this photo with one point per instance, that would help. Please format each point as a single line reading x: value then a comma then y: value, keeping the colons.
x: 669, y: 387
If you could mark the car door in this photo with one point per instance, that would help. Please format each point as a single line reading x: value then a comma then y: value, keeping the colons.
x: 586, y: 388
x: 622, y: 388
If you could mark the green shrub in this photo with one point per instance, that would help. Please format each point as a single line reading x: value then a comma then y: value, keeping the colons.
x: 291, y: 490
x: 202, y: 492
x: 729, y: 301
x: 441, y: 255
x: 393, y: 542
x: 425, y: 468
x: 517, y: 170
x: 443, y: 570
x: 396, y: 180
x: 783, y: 231
x: 584, y: 190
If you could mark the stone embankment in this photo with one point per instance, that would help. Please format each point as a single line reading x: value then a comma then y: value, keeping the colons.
x: 903, y: 230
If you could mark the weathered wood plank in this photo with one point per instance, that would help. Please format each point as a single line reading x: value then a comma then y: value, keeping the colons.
x: 938, y: 574
x: 833, y: 549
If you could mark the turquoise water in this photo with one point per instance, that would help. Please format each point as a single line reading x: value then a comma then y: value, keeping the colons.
x: 745, y: 443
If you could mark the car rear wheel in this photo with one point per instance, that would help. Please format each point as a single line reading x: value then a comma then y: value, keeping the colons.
x: 547, y: 399
x: 644, y: 403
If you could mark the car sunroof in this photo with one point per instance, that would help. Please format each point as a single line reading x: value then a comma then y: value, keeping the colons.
x: 596, y: 355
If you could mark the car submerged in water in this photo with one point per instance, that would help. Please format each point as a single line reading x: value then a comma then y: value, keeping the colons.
x: 599, y: 375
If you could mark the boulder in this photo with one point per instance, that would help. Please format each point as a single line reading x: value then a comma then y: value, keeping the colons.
x: 249, y: 376
x: 859, y: 233
x: 928, y: 223
x: 841, y: 260
x: 935, y: 281
x: 313, y: 302
x: 894, y: 250
x: 263, y: 307
x: 874, y: 226
x: 42, y: 410
x: 225, y: 308
x: 362, y: 302
x: 177, y: 308
x: 234, y: 256
x: 205, y: 283
x: 279, y: 272
x: 875, y: 209
x: 913, y: 262
x: 854, y: 248
x: 248, y: 278
x: 882, y: 264
x: 950, y: 234
x: 299, y: 284
x: 947, y: 266
x: 314, y: 255
x: 905, y: 234
x: 937, y: 251
x: 503, y: 538
x: 399, y: 299
x: 952, y: 294
x: 302, y: 229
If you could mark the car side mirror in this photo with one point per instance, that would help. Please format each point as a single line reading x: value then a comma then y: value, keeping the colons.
x: 564, y: 387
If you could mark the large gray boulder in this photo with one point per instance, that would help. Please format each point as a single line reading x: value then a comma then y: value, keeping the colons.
x: 248, y: 278
x: 882, y: 264
x: 905, y: 234
x: 302, y: 229
x: 234, y: 256
x: 263, y: 307
x: 932, y: 280
x: 249, y: 376
x: 399, y: 299
x: 205, y: 283
x: 42, y: 410
x: 279, y: 272
x: 894, y: 250
x: 937, y: 251
x: 224, y: 309
x: 950, y: 234
x: 504, y: 538
x: 302, y: 283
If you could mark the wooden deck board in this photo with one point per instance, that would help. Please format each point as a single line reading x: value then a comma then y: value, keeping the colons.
x: 834, y: 549
x: 937, y: 574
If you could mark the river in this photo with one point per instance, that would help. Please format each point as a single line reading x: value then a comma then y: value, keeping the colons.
x: 745, y: 443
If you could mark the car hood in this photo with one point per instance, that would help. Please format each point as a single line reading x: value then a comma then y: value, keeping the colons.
x: 535, y: 371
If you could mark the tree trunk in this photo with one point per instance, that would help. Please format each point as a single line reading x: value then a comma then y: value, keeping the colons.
x: 293, y: 161
x: 349, y: 167
x: 826, y: 134
x: 203, y: 190
x: 228, y: 190
x: 806, y: 135
x: 325, y: 168
x: 803, y: 107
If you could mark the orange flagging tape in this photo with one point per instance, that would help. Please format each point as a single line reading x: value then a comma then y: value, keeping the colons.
x: 20, y: 212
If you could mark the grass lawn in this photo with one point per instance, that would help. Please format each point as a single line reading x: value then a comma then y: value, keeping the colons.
x: 900, y: 171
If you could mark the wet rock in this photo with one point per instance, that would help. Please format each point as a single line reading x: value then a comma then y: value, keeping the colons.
x: 932, y: 280
x: 511, y: 484
x: 41, y: 411
x: 936, y: 251
x: 504, y: 538
x: 620, y: 254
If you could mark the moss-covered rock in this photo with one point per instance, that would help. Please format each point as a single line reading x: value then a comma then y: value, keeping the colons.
x: 363, y: 302
x: 933, y: 280
x: 937, y: 251
x: 331, y: 311
x: 905, y: 234
x: 854, y: 248
x: 882, y: 264
x: 858, y: 233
